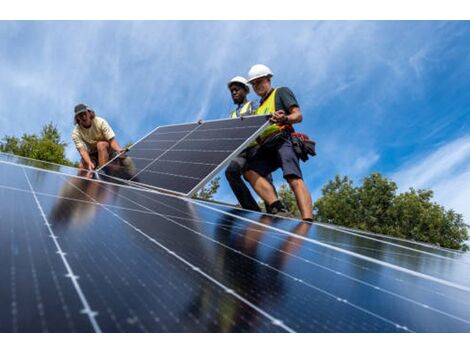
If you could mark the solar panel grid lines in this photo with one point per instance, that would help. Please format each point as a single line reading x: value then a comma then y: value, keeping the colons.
x: 166, y: 150
x: 295, y: 279
x: 282, y: 273
x: 391, y: 240
x: 275, y: 271
x: 422, y: 305
x: 445, y: 282
x: 294, y: 220
x: 404, y: 240
x: 34, y: 163
x: 34, y: 290
x: 399, y: 296
x: 376, y: 250
x: 353, y: 264
x: 99, y: 178
x: 86, y: 307
x: 182, y: 158
x: 383, y: 241
x: 198, y: 270
x: 146, y: 136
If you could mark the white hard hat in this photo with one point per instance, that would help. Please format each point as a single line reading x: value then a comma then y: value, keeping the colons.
x: 258, y: 71
x: 241, y: 80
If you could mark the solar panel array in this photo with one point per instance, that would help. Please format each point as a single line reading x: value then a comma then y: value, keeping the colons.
x: 181, y: 158
x: 82, y: 255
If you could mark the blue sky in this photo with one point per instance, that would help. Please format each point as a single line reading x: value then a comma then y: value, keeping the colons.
x: 391, y: 96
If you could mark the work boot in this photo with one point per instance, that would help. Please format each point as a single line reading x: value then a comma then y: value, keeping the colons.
x: 277, y: 208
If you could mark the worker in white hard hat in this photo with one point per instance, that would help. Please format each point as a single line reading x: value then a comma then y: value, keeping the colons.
x: 276, y: 149
x: 239, y: 89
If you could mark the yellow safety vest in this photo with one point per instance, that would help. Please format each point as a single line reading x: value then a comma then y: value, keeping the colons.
x: 268, y: 107
x: 245, y: 110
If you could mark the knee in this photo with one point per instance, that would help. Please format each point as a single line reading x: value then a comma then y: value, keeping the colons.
x: 250, y: 175
x: 233, y: 172
x: 102, y: 146
x: 295, y: 182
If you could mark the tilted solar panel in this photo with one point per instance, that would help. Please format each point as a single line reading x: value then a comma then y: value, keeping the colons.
x: 181, y: 158
x: 78, y: 254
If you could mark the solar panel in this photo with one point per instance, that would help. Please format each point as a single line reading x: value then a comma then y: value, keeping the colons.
x: 182, y: 158
x: 79, y: 254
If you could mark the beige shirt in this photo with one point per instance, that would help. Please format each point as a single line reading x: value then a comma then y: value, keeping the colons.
x: 88, y: 137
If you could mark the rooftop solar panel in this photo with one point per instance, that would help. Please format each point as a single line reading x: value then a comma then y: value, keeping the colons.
x: 182, y: 158
x: 79, y: 254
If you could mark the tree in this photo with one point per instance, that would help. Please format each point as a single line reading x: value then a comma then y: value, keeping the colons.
x: 47, y: 146
x: 376, y: 207
x: 208, y: 191
x: 413, y: 215
x: 339, y: 201
x: 287, y: 197
x: 375, y: 197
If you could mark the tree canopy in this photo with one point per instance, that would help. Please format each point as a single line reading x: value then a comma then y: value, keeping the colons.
x: 47, y: 146
x: 208, y: 191
x: 375, y: 206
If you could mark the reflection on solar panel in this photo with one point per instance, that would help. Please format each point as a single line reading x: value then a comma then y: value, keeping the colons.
x: 181, y: 158
x: 78, y: 254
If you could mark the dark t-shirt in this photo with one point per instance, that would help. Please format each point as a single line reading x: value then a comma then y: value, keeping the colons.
x: 285, y: 99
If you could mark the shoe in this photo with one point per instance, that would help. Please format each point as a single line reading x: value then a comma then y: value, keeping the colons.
x: 279, y: 209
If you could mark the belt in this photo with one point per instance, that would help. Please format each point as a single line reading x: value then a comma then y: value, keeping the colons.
x: 286, y: 129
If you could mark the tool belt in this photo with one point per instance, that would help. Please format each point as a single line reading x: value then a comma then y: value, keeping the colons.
x: 273, y: 141
x: 303, y: 146
x: 276, y: 137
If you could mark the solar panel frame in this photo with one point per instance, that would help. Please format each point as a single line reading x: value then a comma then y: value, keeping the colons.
x: 211, y: 174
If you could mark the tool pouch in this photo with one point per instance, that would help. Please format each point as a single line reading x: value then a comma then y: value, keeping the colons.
x: 303, y: 146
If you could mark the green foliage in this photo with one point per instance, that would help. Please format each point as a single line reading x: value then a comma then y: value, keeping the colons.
x: 414, y: 216
x: 208, y: 191
x: 287, y: 197
x: 47, y: 146
x: 376, y: 207
x: 339, y: 202
x: 375, y: 197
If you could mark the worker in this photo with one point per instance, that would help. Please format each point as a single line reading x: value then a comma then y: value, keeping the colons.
x: 276, y: 149
x: 239, y: 89
x: 93, y: 138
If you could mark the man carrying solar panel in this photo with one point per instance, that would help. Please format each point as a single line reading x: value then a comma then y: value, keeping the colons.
x: 239, y: 89
x: 276, y: 148
x: 93, y: 138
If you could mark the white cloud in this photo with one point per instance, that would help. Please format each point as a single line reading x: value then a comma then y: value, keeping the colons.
x: 446, y: 171
x: 435, y: 167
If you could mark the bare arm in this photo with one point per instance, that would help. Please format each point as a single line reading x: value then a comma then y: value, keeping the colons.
x: 115, y: 146
x: 295, y: 116
x: 86, y: 158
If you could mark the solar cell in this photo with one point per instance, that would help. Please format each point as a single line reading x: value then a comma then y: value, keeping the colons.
x: 182, y: 158
x: 79, y: 254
